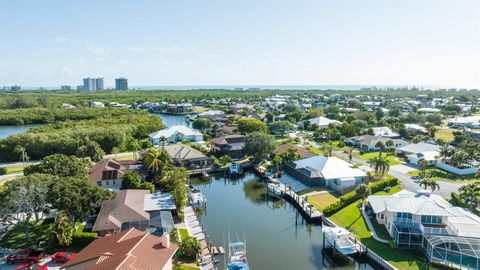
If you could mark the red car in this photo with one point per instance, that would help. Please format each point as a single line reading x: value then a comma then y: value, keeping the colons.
x: 32, y: 266
x: 25, y: 256
x: 63, y: 257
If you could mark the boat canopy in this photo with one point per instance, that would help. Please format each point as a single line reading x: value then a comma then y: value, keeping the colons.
x: 238, y: 266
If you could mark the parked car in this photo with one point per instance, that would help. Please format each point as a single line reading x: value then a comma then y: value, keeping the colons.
x: 63, y: 257
x: 26, y: 256
x: 32, y: 266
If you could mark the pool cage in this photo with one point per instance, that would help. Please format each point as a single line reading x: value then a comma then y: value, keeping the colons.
x: 438, y: 245
x: 463, y: 251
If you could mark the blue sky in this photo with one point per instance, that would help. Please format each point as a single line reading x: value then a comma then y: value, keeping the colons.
x: 243, y: 42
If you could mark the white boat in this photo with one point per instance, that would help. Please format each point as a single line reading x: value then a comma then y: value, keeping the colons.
x: 339, y: 239
x: 197, y: 197
x: 237, y: 256
x: 275, y: 189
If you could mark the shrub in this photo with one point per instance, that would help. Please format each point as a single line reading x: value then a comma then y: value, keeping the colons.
x: 352, y: 196
x: 3, y: 170
x: 82, y: 239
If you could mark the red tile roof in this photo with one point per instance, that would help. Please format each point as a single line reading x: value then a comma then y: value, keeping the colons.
x: 130, y: 249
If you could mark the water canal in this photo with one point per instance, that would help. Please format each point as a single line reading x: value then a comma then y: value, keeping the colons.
x: 277, y: 236
x: 6, y: 131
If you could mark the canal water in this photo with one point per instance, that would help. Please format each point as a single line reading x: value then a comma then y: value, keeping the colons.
x: 277, y: 236
x: 173, y: 120
x: 6, y: 131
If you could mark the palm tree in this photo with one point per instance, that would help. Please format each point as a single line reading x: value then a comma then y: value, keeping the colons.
x: 470, y: 194
x: 276, y: 162
x: 134, y: 146
x: 164, y: 140
x: 363, y: 191
x: 23, y: 154
x: 350, y: 153
x: 389, y: 144
x: 381, y: 146
x: 380, y: 165
x: 445, y: 152
x: 429, y: 183
x: 423, y: 167
x: 156, y: 160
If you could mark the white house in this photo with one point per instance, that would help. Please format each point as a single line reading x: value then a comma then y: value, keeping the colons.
x: 427, y: 223
x: 176, y: 134
x: 416, y: 151
x: 416, y: 128
x: 326, y: 171
x: 322, y: 122
x: 97, y: 104
x: 469, y: 122
x: 385, y: 132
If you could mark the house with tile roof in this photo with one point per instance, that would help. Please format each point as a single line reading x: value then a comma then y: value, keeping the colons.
x: 186, y: 156
x: 136, y: 208
x: 108, y: 173
x: 131, y: 249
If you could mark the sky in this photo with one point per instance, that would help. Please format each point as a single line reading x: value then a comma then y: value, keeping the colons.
x: 242, y: 42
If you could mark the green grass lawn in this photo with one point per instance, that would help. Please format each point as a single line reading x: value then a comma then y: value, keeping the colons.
x: 14, y: 169
x: 351, y: 218
x: 392, y: 160
x: 444, y: 134
x: 184, y: 267
x: 322, y: 200
x: 183, y: 233
x: 441, y: 175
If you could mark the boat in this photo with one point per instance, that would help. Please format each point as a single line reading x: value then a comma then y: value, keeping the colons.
x: 339, y: 239
x: 196, y: 197
x: 237, y: 256
x: 275, y: 188
x: 235, y: 168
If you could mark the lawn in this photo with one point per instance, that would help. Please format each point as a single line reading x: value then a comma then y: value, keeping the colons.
x: 184, y: 267
x: 183, y: 233
x: 445, y: 134
x: 392, y: 160
x: 322, y: 200
x: 40, y: 231
x: 441, y: 175
x: 350, y: 218
x: 14, y: 169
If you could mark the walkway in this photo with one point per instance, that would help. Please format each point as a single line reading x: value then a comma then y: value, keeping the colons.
x: 371, y: 228
x: 195, y: 230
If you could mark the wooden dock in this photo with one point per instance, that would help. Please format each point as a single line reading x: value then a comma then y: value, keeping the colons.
x: 300, y: 202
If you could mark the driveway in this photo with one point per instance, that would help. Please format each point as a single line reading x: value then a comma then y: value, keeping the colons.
x: 46, y: 261
x: 404, y: 168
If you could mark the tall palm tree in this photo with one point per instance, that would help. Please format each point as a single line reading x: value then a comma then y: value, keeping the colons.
x: 156, y: 160
x: 445, y: 152
x: 389, y: 144
x: 380, y: 165
x: 350, y: 153
x: 423, y: 167
x: 363, y: 191
x: 429, y: 183
x: 23, y: 154
x: 380, y: 145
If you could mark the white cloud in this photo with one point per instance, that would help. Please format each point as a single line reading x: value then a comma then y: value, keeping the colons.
x: 150, y: 49
x: 93, y: 49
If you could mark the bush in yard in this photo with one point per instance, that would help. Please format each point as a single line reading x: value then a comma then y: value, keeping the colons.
x: 352, y: 196
x: 3, y: 170
x: 82, y: 239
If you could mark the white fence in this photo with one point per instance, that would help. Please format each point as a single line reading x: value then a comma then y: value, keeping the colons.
x: 455, y: 170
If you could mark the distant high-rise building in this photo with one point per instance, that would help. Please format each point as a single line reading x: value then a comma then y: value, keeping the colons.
x: 93, y: 84
x: 79, y: 87
x: 66, y: 87
x: 15, y: 88
x: 121, y: 84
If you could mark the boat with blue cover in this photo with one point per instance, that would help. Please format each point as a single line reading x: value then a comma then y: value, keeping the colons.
x: 237, y: 256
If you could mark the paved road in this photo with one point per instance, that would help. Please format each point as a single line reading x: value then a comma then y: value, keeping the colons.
x: 400, y: 172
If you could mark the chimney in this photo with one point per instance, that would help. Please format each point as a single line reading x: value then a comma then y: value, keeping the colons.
x: 166, y: 240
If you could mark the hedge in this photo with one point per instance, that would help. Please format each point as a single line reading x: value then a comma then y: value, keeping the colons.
x: 3, y: 170
x: 82, y: 239
x: 352, y: 196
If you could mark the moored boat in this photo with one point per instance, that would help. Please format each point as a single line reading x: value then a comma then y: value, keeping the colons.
x: 237, y: 256
x: 339, y: 239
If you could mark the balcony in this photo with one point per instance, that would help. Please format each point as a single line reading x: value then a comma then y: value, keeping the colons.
x: 425, y: 229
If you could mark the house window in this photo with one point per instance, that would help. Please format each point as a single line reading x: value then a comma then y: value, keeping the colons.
x: 382, y: 216
x: 99, y: 183
x: 403, y: 215
x: 431, y: 220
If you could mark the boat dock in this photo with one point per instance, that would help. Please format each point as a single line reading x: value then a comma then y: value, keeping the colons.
x: 301, y: 203
x: 195, y: 230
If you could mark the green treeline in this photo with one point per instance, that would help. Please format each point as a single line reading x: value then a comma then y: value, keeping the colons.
x: 39, y: 115
x: 108, y: 127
